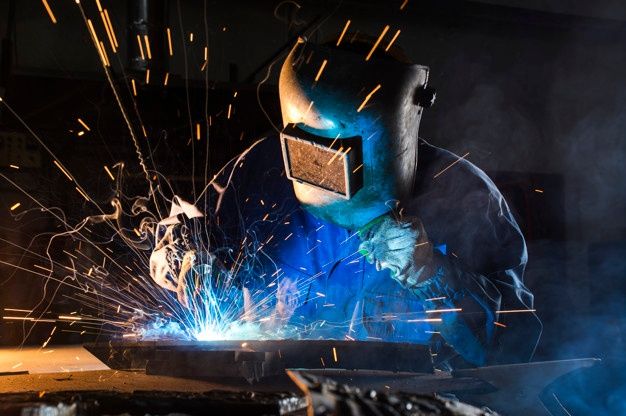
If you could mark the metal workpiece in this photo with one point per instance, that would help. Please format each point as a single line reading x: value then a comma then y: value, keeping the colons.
x: 513, y: 389
x: 253, y: 360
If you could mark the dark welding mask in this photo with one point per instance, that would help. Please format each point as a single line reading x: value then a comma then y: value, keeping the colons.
x: 351, y: 136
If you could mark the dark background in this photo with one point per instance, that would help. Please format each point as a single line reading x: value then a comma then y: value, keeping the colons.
x: 537, y: 95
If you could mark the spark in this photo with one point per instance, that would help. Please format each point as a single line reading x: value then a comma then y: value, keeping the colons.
x: 70, y: 318
x: 15, y: 206
x: 80, y: 133
x: 451, y: 164
x: 230, y: 108
x: 17, y: 365
x: 516, y: 311
x: 206, y: 53
x: 169, y: 41
x: 17, y: 310
x: 444, y: 310
x: 434, y: 320
x: 84, y: 195
x: 82, y: 123
x: 143, y: 57
x: 49, y: 10
x: 58, y: 165
x: 403, y: 5
x: 147, y: 40
x: 167, y: 77
x: 335, y: 354
x: 104, y: 54
x: 99, y: 45
x: 393, y: 39
x: 98, y: 5
x: 357, y: 168
x: 540, y: 191
x: 14, y: 166
x: 499, y: 324
x: 367, y: 98
x: 132, y: 81
x: 147, y: 76
x: 106, y: 168
x: 380, y: 37
x: 343, y: 32
x: 110, y: 25
x: 190, y: 36
x: 319, y: 72
x: 108, y: 30
x: 337, y: 153
x: 197, y: 131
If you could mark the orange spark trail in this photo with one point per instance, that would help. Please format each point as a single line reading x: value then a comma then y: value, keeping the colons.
x: 369, y: 55
x: 49, y: 10
x: 393, y: 39
x: 319, y: 73
x: 367, y: 98
x: 343, y: 32
x: 451, y: 164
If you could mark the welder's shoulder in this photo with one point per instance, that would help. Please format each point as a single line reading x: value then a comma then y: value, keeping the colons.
x: 444, y: 172
x: 459, y: 204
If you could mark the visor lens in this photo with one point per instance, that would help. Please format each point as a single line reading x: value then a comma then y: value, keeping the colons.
x: 333, y: 165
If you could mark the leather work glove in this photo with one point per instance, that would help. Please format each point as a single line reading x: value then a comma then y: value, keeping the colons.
x: 399, y: 245
x: 176, y: 250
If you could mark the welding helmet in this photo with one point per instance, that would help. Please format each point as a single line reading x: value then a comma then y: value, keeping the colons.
x: 351, y: 130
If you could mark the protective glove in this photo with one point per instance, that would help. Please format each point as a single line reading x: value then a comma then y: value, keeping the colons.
x: 401, y: 246
x: 178, y: 249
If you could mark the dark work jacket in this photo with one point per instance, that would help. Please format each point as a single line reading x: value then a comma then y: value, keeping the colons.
x: 481, y: 255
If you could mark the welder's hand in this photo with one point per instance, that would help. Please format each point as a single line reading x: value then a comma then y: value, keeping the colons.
x: 401, y: 246
x: 177, y: 249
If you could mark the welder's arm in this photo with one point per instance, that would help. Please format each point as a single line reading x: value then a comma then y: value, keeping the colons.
x: 469, y: 300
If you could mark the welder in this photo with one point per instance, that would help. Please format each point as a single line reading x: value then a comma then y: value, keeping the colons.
x: 395, y: 239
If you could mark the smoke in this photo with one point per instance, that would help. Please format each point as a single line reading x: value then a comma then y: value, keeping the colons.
x: 553, y: 103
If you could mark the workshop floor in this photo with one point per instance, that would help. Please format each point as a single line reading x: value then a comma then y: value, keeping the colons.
x: 50, y: 360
